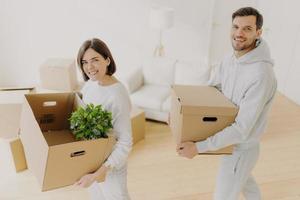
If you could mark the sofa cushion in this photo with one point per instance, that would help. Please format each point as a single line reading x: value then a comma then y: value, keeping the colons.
x: 159, y: 71
x: 191, y: 74
x: 150, y: 96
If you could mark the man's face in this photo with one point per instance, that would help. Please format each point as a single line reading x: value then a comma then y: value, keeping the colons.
x: 244, y: 34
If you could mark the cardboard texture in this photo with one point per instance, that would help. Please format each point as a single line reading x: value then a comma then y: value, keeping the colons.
x: 198, y: 112
x: 137, y: 124
x: 11, y: 99
x: 51, y: 151
x: 11, y: 158
x: 17, y: 151
x: 59, y: 74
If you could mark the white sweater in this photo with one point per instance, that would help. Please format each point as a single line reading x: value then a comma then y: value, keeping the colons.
x: 249, y: 82
x: 115, y: 99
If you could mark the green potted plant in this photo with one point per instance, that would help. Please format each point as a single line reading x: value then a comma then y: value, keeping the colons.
x: 91, y: 122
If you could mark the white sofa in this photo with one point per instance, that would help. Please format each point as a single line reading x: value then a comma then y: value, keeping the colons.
x: 150, y: 85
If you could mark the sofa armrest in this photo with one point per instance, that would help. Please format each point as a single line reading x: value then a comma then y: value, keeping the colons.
x: 133, y: 81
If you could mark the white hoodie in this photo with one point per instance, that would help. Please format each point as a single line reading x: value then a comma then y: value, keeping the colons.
x: 249, y: 82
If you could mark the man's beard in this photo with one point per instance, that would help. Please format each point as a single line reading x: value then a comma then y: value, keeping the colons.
x: 244, y: 47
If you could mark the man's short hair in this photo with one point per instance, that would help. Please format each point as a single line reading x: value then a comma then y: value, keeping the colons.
x: 249, y: 11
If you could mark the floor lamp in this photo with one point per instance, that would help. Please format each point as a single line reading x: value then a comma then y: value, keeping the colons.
x: 161, y: 19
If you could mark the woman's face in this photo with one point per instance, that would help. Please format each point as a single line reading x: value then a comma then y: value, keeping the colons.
x: 94, y: 65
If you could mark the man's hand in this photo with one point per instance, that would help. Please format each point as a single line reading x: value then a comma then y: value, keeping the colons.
x: 187, y: 149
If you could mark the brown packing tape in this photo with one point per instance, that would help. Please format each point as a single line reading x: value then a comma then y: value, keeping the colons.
x: 18, y: 154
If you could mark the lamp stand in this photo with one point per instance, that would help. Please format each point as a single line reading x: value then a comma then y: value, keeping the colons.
x: 159, y: 50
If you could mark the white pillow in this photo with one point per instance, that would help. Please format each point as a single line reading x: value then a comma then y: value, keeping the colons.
x: 191, y: 74
x: 159, y: 71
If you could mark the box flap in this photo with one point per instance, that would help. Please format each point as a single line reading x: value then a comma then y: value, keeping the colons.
x: 202, y: 100
x: 17, y: 151
x: 51, y: 110
x: 34, y: 143
x: 78, y: 102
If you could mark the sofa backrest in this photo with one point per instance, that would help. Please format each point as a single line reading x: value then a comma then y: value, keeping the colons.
x: 188, y: 73
x: 167, y: 71
x: 159, y: 71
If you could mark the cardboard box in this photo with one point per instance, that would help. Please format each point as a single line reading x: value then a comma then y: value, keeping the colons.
x: 18, y: 154
x: 137, y: 124
x: 11, y: 100
x: 59, y: 74
x: 198, y: 112
x: 51, y: 151
x: 138, y: 133
x: 12, y: 156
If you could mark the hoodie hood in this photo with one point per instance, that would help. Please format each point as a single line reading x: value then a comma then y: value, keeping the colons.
x: 259, y: 54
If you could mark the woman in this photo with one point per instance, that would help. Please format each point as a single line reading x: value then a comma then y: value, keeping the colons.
x: 101, y: 87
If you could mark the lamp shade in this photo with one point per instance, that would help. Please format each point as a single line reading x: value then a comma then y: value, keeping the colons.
x: 161, y: 18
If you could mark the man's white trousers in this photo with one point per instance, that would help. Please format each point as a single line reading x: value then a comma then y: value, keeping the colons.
x: 234, y: 176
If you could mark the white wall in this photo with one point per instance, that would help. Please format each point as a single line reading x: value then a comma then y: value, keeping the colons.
x: 34, y: 30
x: 283, y: 34
x: 281, y: 30
x: 220, y: 33
x: 292, y: 82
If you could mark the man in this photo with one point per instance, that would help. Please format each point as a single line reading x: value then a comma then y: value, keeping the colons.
x: 247, y: 79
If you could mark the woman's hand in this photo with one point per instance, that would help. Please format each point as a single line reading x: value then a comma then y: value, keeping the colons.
x: 89, y: 179
x: 86, y: 180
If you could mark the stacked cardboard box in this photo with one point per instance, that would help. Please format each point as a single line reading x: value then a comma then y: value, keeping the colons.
x: 11, y: 99
x: 59, y: 74
x: 138, y: 124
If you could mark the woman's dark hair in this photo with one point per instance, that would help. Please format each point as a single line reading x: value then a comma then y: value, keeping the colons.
x: 100, y: 47
x: 249, y: 11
